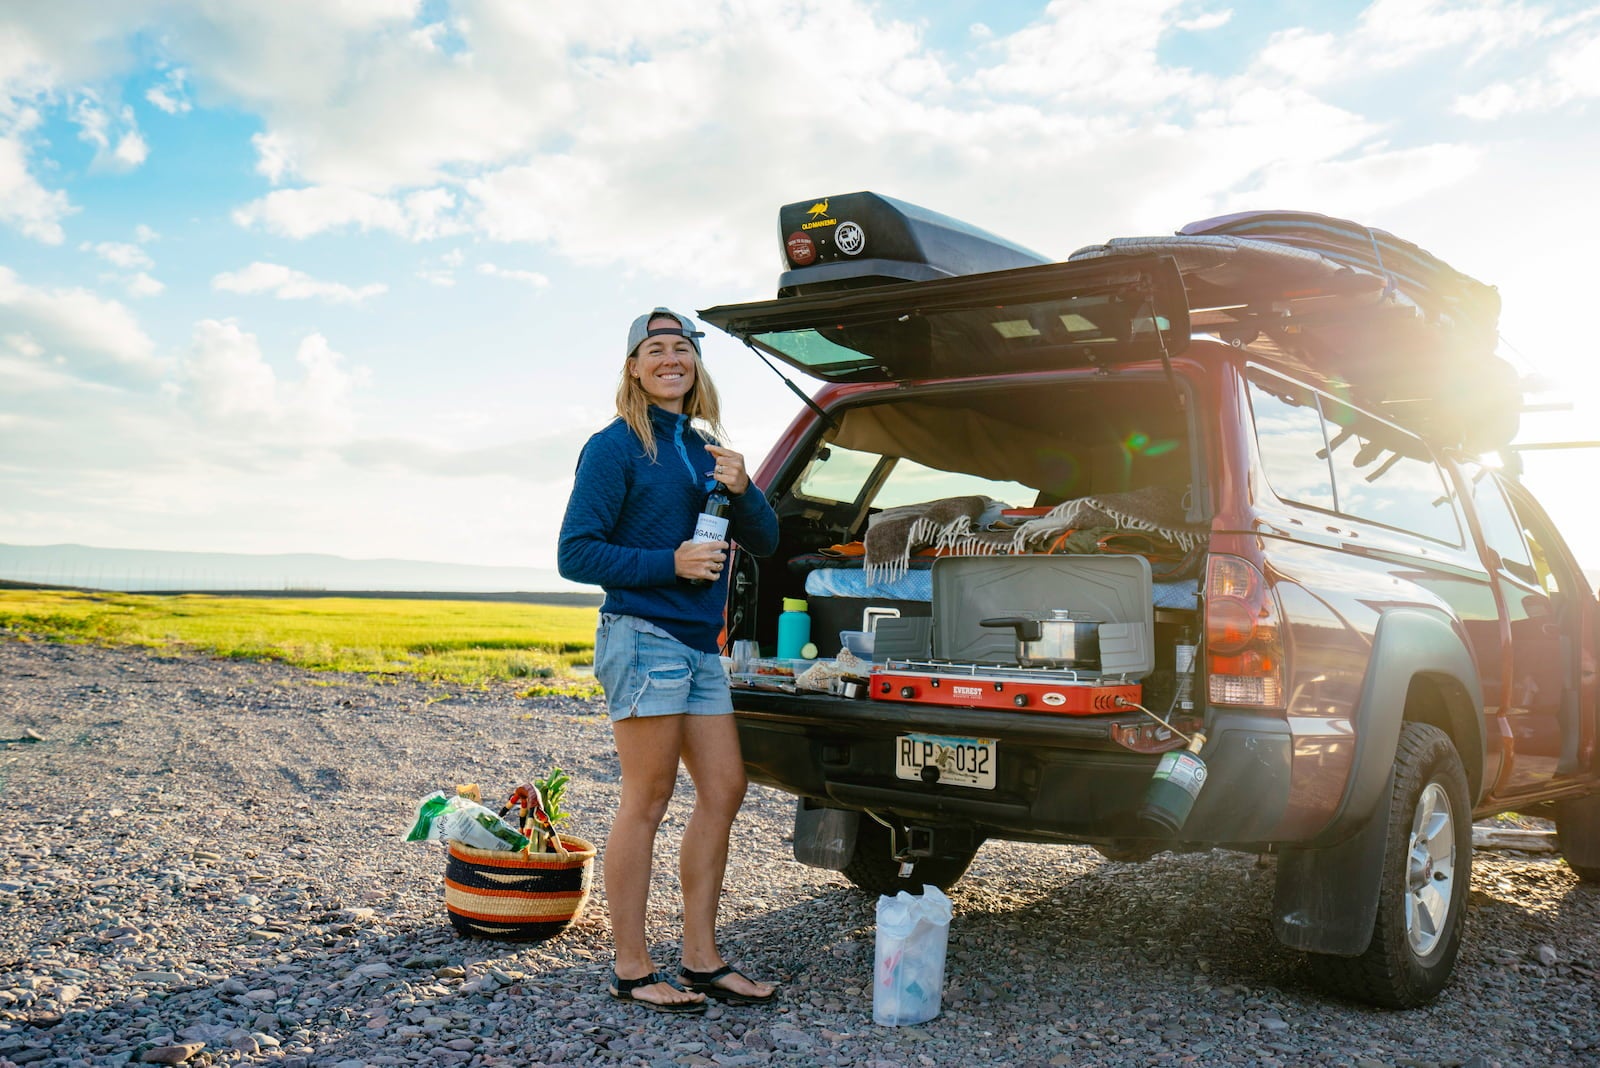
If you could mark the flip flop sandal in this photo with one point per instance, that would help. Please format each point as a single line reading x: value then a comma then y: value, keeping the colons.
x: 622, y: 989
x: 706, y: 983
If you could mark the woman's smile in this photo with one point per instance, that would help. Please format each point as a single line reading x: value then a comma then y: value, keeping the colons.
x: 664, y: 366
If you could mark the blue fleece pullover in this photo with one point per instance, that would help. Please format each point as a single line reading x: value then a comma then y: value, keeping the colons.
x: 628, y: 514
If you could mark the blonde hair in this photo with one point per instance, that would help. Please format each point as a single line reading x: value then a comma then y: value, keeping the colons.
x: 700, y: 404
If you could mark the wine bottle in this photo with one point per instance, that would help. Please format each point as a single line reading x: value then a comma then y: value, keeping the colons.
x: 712, y: 522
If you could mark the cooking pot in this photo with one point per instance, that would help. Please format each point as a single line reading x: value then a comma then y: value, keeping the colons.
x: 1060, y: 639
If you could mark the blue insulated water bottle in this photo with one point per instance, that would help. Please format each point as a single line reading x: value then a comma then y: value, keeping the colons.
x: 794, y: 629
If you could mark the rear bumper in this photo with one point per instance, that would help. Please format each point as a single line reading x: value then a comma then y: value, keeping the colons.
x: 1058, y: 778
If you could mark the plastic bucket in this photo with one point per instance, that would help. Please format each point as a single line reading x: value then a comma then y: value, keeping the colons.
x: 908, y: 958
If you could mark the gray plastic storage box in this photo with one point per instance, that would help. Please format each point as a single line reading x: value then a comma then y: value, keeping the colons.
x: 1116, y: 590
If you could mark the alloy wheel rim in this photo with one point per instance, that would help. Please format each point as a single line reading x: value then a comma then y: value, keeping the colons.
x: 1430, y: 870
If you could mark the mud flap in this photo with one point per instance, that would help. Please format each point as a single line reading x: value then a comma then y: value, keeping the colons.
x: 824, y: 837
x: 1578, y: 828
x: 1326, y: 900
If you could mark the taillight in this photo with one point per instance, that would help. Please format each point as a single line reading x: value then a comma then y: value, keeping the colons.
x: 1244, y: 644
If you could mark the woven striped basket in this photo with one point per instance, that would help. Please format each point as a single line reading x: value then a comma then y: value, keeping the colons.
x: 517, y: 897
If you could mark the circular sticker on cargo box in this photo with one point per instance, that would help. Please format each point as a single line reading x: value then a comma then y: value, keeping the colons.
x: 850, y: 238
x: 802, y: 250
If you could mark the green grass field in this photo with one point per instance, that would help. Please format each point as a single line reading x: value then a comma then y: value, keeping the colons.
x: 469, y: 642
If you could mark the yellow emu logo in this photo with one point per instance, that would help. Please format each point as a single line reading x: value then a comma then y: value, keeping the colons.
x: 818, y: 210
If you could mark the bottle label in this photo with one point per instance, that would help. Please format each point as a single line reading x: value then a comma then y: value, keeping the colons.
x: 710, y: 528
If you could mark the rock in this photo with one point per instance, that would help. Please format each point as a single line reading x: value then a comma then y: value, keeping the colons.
x: 171, y: 1054
x: 1547, y: 955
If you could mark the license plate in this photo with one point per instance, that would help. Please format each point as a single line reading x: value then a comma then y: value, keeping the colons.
x: 961, y: 761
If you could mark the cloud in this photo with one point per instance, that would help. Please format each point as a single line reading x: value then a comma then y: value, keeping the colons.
x: 96, y: 126
x: 1047, y: 59
x: 300, y: 213
x: 1211, y: 20
x: 441, y: 270
x: 131, y: 151
x: 420, y: 456
x: 142, y: 285
x: 226, y: 381
x: 144, y: 234
x: 169, y: 95
x: 120, y: 254
x: 288, y: 284
x: 272, y: 156
x: 25, y: 204
x: 1363, y: 187
x: 1570, y: 74
x: 129, y: 258
x: 1393, y: 34
x: 94, y: 336
x: 530, y: 278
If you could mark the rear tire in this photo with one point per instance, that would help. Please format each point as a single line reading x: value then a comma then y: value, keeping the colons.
x: 1427, y: 870
x: 1125, y: 851
x: 873, y: 868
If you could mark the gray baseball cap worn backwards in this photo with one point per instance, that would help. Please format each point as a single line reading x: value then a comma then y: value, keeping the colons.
x: 641, y: 329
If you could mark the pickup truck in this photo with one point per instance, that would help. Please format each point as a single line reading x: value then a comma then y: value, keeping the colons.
x: 1269, y: 458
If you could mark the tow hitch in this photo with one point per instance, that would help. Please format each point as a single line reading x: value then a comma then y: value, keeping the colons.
x: 907, y: 846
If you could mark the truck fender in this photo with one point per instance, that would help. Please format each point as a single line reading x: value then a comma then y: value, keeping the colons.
x: 1408, y: 643
x: 1326, y: 897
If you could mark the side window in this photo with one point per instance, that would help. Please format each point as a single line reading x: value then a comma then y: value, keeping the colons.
x: 1501, y: 529
x: 1387, y: 476
x: 1289, y: 438
x: 1547, y: 565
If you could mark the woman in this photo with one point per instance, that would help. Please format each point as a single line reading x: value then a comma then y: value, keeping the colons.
x: 640, y: 484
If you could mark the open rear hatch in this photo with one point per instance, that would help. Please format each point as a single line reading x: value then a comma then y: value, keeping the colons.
x: 1118, y: 309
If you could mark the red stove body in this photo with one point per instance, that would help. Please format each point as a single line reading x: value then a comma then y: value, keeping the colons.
x: 1054, y: 691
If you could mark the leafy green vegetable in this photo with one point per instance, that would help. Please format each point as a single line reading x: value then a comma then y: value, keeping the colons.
x: 552, y: 788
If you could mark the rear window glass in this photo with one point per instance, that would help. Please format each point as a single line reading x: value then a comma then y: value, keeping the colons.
x: 1289, y: 438
x: 1383, y: 474
x: 1318, y: 451
x: 842, y: 475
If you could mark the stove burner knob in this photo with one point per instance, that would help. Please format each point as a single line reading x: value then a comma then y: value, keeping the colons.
x: 1021, y: 700
x: 908, y: 692
x: 884, y: 687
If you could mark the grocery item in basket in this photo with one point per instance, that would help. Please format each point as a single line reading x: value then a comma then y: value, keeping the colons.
x: 458, y: 819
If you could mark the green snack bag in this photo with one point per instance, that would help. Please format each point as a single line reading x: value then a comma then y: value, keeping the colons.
x: 428, y: 810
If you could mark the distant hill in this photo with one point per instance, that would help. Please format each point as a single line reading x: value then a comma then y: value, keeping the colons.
x: 153, y: 571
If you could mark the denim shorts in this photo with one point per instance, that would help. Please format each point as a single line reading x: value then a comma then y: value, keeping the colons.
x: 645, y: 671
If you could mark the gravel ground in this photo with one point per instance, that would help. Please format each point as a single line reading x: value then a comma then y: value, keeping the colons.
x: 205, y: 859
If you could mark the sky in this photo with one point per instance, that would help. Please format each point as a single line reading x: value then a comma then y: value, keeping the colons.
x: 354, y: 276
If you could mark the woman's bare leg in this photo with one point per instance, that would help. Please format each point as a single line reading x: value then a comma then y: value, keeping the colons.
x: 711, y: 753
x: 648, y: 750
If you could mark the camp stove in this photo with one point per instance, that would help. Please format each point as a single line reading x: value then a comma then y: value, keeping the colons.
x: 1060, y: 691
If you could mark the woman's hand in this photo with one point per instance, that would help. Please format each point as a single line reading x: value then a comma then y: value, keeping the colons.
x: 700, y: 559
x: 730, y: 469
